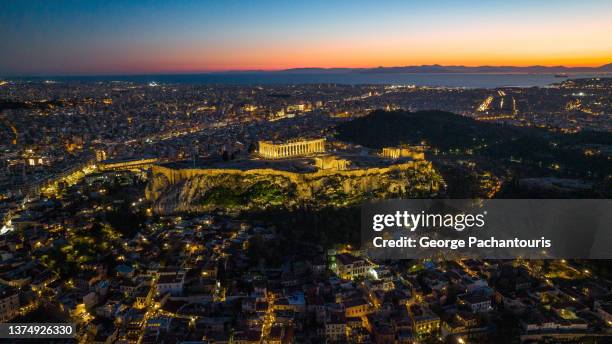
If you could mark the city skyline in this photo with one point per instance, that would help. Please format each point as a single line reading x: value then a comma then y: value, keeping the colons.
x: 283, y: 172
x: 135, y: 37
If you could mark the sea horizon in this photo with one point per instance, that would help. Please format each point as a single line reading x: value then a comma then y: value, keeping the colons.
x: 425, y: 79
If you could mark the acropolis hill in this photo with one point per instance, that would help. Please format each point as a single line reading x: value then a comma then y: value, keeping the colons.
x: 288, y: 174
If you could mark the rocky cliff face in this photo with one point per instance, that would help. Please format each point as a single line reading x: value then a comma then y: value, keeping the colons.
x: 202, y: 190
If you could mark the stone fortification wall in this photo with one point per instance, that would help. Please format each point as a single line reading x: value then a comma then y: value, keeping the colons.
x: 199, y: 189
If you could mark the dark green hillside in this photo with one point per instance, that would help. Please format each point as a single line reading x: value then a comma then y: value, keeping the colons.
x: 443, y: 130
x: 518, y: 151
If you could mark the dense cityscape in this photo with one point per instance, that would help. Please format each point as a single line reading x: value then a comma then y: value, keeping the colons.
x: 306, y: 172
x: 49, y: 127
x: 151, y: 212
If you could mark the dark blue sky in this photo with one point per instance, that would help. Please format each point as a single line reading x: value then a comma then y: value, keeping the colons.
x: 102, y: 37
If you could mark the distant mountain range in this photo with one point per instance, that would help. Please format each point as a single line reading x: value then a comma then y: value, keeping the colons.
x: 457, y: 69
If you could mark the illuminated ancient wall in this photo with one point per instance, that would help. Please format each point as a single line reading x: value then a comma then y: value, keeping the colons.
x: 364, y: 179
x: 402, y: 152
x: 331, y: 163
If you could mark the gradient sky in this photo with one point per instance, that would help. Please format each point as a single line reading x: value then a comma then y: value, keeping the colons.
x: 55, y: 37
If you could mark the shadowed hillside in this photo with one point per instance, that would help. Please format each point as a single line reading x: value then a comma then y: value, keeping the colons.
x: 509, y: 150
x: 443, y: 130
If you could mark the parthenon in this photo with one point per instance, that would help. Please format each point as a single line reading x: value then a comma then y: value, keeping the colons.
x: 290, y: 149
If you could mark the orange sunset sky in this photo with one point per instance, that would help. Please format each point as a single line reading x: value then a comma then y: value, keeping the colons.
x: 102, y: 37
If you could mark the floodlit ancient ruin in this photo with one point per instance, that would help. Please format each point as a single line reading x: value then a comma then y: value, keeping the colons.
x: 288, y: 174
x: 294, y: 148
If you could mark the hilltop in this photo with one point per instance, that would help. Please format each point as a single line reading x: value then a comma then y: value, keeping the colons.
x: 509, y: 151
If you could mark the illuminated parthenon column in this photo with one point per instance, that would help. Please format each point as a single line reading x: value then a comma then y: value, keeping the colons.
x: 271, y: 150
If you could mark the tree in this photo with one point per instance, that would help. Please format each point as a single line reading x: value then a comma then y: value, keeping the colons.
x: 252, y: 148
